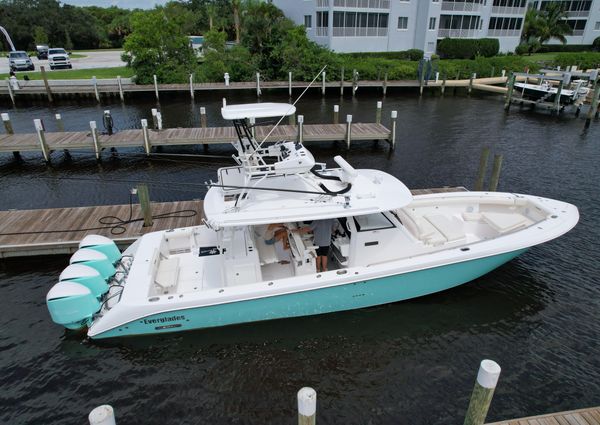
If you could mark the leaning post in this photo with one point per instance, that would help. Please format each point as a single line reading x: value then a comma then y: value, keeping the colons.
x: 39, y: 128
x: 496, y: 172
x: 155, y: 86
x: 348, y: 130
x: 307, y: 406
x: 301, y: 128
x: 102, y: 415
x: 394, y: 116
x: 481, y: 398
x: 483, y: 161
x: 10, y: 92
x: 146, y: 134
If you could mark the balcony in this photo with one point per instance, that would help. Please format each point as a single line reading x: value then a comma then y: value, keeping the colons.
x: 363, y: 4
x: 506, y: 10
x: 451, y: 6
x: 322, y: 3
x: 359, y: 32
x: 504, y: 33
x: 321, y: 31
x: 578, y: 13
x: 461, y: 33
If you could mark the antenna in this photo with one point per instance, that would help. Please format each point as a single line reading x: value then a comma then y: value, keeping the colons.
x: 286, y: 113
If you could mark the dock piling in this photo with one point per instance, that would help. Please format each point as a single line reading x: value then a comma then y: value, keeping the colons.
x: 154, y: 112
x: 301, y: 128
x: 7, y: 124
x: 307, y: 406
x: 258, y: 92
x: 102, y: 415
x: 39, y: 128
x: 95, y: 85
x: 192, y: 86
x: 593, y: 110
x: 155, y: 87
x: 385, y: 83
x: 483, y: 161
x: 354, y: 82
x: 496, y: 172
x: 557, y: 97
x: 203, y: 122
x: 378, y: 112
x: 394, y: 117
x: 46, y: 84
x: 443, y: 89
x: 509, y: 92
x: 342, y: 82
x: 59, y: 122
x: 94, y: 132
x: 159, y: 125
x: 290, y: 83
x: 348, y: 130
x: 10, y: 92
x: 336, y: 114
x: 253, y: 127
x: 323, y: 83
x: 292, y: 119
x: 471, y: 82
x: 121, y: 95
x: 144, y: 198
x: 147, y: 145
x: 485, y: 384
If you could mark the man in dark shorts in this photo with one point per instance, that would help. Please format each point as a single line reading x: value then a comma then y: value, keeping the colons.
x: 322, y: 230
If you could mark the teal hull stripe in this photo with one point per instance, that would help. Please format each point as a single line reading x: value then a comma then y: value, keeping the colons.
x: 338, y: 298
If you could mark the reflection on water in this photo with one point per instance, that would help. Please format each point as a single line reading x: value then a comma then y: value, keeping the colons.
x: 537, y: 315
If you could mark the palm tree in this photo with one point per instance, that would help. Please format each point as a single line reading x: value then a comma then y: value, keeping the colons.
x: 236, y: 4
x: 554, y: 24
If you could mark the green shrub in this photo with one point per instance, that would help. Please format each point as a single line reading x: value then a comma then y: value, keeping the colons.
x: 522, y: 49
x: 411, y: 54
x: 553, y: 48
x: 464, y: 48
x: 583, y: 60
x: 596, y: 44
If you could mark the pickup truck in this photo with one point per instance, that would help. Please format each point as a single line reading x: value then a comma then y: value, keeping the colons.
x: 58, y: 58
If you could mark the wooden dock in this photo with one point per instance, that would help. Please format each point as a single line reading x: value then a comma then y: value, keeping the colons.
x: 589, y: 416
x: 56, y: 230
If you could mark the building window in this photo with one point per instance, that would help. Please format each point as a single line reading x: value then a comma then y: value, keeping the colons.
x: 360, y: 24
x: 402, y: 22
x: 308, y: 21
x: 431, y: 23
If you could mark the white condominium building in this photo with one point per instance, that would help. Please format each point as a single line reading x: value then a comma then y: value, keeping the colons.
x: 393, y: 25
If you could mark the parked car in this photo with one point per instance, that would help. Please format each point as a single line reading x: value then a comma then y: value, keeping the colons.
x: 42, y: 51
x: 58, y: 58
x: 20, y: 61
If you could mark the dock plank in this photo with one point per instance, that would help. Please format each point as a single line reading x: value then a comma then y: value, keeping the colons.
x: 587, y: 416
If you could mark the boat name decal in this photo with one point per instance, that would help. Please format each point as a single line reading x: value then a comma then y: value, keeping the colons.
x: 163, y: 320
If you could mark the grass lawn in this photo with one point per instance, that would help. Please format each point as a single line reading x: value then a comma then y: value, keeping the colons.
x: 541, y: 57
x: 76, y: 74
x: 77, y: 56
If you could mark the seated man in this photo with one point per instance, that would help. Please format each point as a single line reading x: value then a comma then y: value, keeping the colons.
x: 322, y: 230
x: 277, y: 232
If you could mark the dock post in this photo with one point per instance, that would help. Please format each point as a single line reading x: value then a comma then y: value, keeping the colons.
x: 342, y: 82
x: 394, y: 116
x: 147, y: 145
x: 144, y: 198
x: 493, y: 72
x: 504, y: 72
x: 496, y: 173
x: 385, y: 83
x: 323, y: 84
x: 203, y: 117
x: 378, y: 112
x: 154, y: 118
x: 557, y: 96
x: 290, y: 83
x: 471, y: 82
x: 46, y: 84
x: 121, y: 95
x: 354, y: 82
x: 10, y: 92
x: 348, y: 130
x: 301, y: 128
x: 443, y: 89
x: 336, y: 114
x: 437, y: 77
x: 95, y: 85
x: 102, y: 415
x: 307, y: 406
x: 421, y: 77
x: 485, y: 384
x: 509, y: 92
x: 155, y: 87
x: 192, y: 86
x: 483, y: 161
x: 594, y: 105
x: 292, y: 119
x: 39, y: 128
x: 7, y: 124
x: 59, y: 122
x: 159, y: 125
x: 94, y: 131
x: 258, y: 92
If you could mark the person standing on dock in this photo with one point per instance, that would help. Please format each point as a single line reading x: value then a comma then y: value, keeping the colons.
x: 322, y: 231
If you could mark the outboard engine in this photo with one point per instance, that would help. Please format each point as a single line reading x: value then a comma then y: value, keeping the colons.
x: 86, y: 276
x: 103, y: 244
x: 72, y: 305
x: 96, y: 260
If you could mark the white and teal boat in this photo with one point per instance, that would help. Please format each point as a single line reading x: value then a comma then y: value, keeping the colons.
x: 389, y: 246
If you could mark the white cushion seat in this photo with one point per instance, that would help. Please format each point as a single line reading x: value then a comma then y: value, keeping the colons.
x: 167, y: 273
x: 503, y: 223
x: 449, y: 226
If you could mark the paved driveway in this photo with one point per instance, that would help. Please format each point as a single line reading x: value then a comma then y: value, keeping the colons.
x: 93, y: 59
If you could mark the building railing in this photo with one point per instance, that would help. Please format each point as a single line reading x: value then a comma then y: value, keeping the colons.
x: 321, y: 31
x: 464, y: 33
x: 367, y: 4
x: 504, y: 33
x: 460, y: 6
x: 578, y: 13
x: 322, y: 3
x: 507, y: 10
x: 359, y: 32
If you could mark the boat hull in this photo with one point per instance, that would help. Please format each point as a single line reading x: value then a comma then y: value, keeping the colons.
x: 318, y: 301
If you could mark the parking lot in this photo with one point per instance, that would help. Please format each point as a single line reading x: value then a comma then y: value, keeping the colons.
x: 93, y: 59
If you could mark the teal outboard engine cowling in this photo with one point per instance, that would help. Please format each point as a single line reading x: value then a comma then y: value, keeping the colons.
x: 96, y: 260
x: 86, y: 276
x: 71, y: 305
x: 103, y: 244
